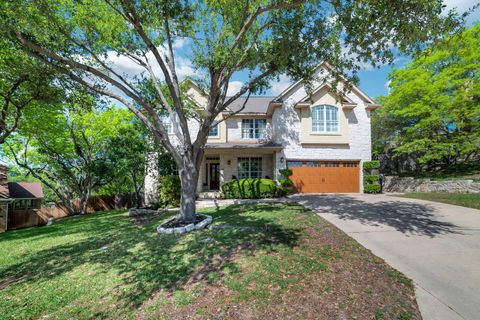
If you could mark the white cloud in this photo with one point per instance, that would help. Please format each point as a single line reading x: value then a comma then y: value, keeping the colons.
x: 126, y: 66
x: 184, y: 68
x: 179, y: 43
x: 234, y: 87
x: 387, y: 85
x: 278, y: 86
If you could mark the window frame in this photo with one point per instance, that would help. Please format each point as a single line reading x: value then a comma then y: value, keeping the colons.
x: 214, y: 126
x: 322, y: 124
x: 255, y: 132
x: 244, y: 174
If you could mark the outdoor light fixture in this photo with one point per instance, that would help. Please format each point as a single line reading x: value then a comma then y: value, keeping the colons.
x: 229, y: 162
x: 282, y: 160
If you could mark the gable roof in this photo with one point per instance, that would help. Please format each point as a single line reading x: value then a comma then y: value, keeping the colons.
x: 326, y: 84
x: 324, y: 65
x: 25, y: 190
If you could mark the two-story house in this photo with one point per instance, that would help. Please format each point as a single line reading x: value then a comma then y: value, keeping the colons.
x: 323, y: 137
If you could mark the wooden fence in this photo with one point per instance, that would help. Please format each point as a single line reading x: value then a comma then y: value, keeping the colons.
x: 37, y: 217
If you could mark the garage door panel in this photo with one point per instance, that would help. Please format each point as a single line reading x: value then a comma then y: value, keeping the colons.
x: 325, y: 177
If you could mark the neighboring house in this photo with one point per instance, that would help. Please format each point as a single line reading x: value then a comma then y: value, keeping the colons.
x: 19, y: 203
x: 323, y: 137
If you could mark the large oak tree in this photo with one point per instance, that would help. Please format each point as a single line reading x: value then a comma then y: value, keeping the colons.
x: 263, y: 38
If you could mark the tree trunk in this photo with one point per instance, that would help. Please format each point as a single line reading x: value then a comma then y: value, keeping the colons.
x: 188, y: 180
x: 84, y: 202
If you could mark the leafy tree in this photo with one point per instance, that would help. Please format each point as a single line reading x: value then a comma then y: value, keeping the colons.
x: 126, y: 154
x: 67, y: 149
x: 25, y: 87
x: 258, y: 37
x: 433, y: 109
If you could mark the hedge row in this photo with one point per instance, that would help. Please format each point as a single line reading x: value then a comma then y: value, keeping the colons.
x: 371, y: 182
x: 250, y: 189
x: 371, y: 188
x: 369, y: 165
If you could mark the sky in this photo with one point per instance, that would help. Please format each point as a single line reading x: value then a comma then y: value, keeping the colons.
x: 373, y: 81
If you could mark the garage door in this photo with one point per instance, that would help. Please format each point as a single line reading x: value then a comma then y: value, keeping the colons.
x: 325, y: 176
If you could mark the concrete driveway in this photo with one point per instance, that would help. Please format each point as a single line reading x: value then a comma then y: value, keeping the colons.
x: 436, y: 245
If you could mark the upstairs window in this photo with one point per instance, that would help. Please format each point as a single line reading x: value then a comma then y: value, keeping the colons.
x: 213, y: 129
x: 325, y: 119
x: 253, y: 128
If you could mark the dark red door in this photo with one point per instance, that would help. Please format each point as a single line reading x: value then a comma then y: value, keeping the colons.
x: 214, y: 176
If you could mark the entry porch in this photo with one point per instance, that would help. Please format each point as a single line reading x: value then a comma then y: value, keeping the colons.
x: 226, y: 162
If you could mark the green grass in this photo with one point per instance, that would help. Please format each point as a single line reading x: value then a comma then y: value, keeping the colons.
x: 470, y: 200
x: 63, y: 271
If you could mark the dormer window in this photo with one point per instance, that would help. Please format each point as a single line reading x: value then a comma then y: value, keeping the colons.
x: 325, y: 119
x: 253, y: 128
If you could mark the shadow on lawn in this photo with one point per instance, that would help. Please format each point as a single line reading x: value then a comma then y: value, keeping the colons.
x: 148, y: 262
x: 406, y: 217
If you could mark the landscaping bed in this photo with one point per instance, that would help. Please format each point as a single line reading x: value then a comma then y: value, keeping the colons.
x: 273, y: 261
x: 470, y: 200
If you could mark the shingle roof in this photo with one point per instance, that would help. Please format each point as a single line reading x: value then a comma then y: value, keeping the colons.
x: 257, y: 104
x: 23, y: 190
x: 267, y: 145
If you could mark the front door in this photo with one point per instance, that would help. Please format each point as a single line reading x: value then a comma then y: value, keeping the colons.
x: 214, y: 176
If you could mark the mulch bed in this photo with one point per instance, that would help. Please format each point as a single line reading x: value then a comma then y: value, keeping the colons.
x: 177, y: 222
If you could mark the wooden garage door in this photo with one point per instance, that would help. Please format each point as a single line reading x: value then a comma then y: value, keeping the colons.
x: 325, y: 176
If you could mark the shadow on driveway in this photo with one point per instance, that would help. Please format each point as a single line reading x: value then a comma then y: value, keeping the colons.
x: 405, y: 216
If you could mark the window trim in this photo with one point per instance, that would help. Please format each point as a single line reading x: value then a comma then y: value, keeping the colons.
x: 324, y: 107
x: 254, y: 128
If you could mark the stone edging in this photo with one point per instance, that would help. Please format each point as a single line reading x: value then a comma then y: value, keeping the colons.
x: 134, y: 212
x: 410, y: 184
x: 190, y: 227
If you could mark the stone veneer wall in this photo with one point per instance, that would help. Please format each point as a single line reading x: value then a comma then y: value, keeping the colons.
x: 409, y: 184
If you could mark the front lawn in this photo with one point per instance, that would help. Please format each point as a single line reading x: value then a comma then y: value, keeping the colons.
x: 471, y: 200
x: 285, y: 262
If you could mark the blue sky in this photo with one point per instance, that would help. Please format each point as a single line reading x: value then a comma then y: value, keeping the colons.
x: 374, y: 82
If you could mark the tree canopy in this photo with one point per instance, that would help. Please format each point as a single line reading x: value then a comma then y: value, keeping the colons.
x: 261, y: 38
x: 433, y: 108
x: 26, y: 86
x: 70, y: 150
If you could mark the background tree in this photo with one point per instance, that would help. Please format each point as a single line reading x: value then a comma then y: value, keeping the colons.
x: 126, y: 153
x: 67, y: 149
x: 25, y: 86
x: 433, y: 109
x: 261, y: 38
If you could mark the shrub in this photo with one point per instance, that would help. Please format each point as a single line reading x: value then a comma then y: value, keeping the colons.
x: 249, y: 189
x: 371, y: 188
x: 169, y: 189
x: 285, y: 182
x: 369, y: 165
x: 286, y: 172
x: 371, y: 178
